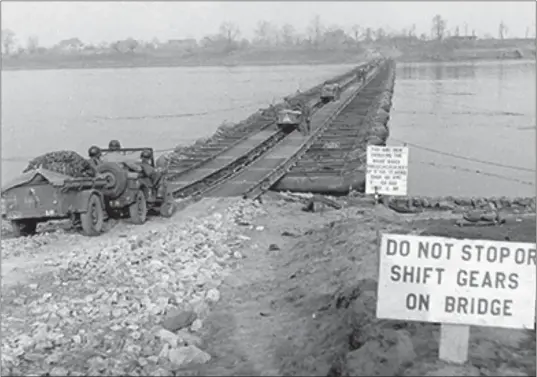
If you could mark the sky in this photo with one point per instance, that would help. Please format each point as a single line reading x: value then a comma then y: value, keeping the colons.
x: 101, y: 21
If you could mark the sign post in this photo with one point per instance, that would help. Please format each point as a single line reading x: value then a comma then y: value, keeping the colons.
x: 386, y: 174
x: 458, y: 283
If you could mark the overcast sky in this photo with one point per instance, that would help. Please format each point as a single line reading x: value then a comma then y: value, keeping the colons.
x: 95, y: 22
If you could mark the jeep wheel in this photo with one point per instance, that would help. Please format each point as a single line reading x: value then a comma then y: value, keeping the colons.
x: 117, y: 179
x: 23, y: 228
x: 167, y: 209
x: 138, y: 209
x: 92, y: 221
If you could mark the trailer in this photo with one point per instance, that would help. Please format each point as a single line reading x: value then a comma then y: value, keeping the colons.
x: 41, y: 195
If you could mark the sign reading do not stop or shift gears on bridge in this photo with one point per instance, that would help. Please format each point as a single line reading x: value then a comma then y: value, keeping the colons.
x: 463, y: 282
x: 387, y: 170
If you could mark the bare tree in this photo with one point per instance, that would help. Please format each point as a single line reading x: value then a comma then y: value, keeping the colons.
x: 412, y: 31
x: 502, y: 30
x: 230, y: 32
x: 131, y: 44
x: 316, y: 30
x: 439, y: 27
x: 356, y: 32
x: 288, y: 34
x: 116, y: 46
x: 335, y: 37
x: 32, y: 44
x: 380, y: 34
x: 368, y: 34
x: 8, y: 41
x: 263, y: 32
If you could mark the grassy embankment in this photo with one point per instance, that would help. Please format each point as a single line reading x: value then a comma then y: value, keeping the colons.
x: 465, y: 50
x: 402, y: 51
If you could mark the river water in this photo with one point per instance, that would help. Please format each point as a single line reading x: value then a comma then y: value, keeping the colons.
x: 483, y: 111
x: 470, y: 127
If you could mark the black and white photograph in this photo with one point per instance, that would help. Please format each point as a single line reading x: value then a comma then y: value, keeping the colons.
x: 268, y: 188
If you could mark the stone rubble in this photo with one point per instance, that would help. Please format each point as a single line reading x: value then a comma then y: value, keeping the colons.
x: 135, y: 306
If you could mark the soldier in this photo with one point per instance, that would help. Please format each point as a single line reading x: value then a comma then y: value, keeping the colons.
x: 154, y: 174
x: 301, y: 106
x: 114, y: 145
x: 307, y: 120
x: 361, y: 74
x: 95, y: 156
x: 287, y: 103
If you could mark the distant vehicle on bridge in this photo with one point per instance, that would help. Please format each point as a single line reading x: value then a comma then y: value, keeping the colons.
x: 330, y: 92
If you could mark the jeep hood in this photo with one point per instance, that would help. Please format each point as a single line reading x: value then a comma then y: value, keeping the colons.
x: 56, y: 179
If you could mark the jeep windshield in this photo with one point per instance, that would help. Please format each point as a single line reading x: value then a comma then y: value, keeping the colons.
x: 122, y: 156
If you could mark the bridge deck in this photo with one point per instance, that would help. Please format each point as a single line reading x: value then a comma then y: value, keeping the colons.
x: 293, y: 141
x: 224, y: 159
x: 259, y: 169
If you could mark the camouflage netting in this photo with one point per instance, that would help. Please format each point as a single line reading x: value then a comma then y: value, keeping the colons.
x: 63, y: 162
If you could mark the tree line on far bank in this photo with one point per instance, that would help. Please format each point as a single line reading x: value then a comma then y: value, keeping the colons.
x: 266, y: 36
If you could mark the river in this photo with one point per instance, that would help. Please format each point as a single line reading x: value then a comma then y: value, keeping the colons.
x: 483, y: 111
x: 451, y: 115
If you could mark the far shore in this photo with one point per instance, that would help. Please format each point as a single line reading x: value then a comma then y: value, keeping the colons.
x: 255, y: 58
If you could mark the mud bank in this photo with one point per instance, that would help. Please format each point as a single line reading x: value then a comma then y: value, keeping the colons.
x: 378, y: 347
x: 310, y: 310
x: 329, y: 171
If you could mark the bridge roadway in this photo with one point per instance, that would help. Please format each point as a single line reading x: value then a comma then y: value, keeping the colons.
x: 284, y: 150
x: 288, y: 147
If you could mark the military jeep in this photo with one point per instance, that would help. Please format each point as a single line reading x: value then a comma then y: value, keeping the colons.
x: 137, y: 189
x: 330, y: 92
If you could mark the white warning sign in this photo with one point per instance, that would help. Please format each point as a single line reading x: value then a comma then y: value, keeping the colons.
x: 387, y: 170
x: 462, y: 282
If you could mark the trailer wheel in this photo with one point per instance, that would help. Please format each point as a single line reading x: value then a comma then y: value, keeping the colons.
x: 138, y: 209
x: 22, y: 228
x: 92, y: 220
x: 167, y: 209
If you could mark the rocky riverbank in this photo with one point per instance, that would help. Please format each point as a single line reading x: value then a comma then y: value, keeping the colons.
x: 131, y: 301
x: 228, y: 287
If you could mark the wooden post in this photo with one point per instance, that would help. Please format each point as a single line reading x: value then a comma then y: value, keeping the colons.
x: 454, y: 343
x: 377, y: 226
